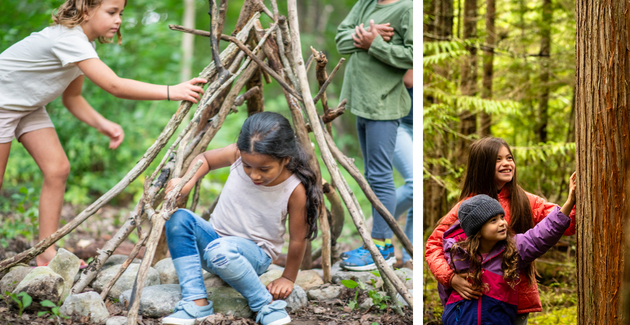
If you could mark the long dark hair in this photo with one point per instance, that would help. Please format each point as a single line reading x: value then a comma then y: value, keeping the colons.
x: 270, y: 133
x: 480, y: 180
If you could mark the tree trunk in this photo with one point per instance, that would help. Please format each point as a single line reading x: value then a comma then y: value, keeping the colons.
x: 488, y: 66
x: 468, y: 85
x: 443, y: 18
x: 545, y: 49
x: 188, y: 44
x: 603, y: 160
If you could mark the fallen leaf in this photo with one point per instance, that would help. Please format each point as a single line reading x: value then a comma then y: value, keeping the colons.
x: 347, y: 309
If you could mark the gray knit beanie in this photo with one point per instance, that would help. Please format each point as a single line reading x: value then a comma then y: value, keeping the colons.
x: 476, y: 211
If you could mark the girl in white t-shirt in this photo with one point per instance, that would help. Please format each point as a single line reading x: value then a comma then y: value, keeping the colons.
x: 53, y: 62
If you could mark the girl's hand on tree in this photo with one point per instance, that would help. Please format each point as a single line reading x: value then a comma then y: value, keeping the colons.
x: 186, y: 90
x: 113, y: 131
x: 572, y: 187
x: 173, y: 182
x: 464, y: 288
x: 280, y: 288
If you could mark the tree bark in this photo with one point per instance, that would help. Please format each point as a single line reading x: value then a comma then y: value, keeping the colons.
x: 443, y: 25
x: 488, y: 66
x: 603, y: 160
x: 545, y: 49
x: 468, y: 85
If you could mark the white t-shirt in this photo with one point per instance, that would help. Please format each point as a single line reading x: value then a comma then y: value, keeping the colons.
x: 37, y: 69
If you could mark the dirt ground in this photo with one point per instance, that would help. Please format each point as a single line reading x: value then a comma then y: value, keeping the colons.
x: 91, y: 236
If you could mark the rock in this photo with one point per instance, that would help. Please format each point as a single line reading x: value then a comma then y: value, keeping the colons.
x: 167, y: 272
x: 402, y: 300
x: 117, y: 320
x: 335, y: 268
x: 274, y: 267
x: 269, y: 276
x: 41, y: 284
x: 324, y: 292
x: 406, y: 276
x: 117, y: 260
x: 228, y: 301
x: 87, y: 304
x: 67, y: 265
x: 308, y: 278
x: 212, y: 280
x: 320, y: 272
x: 156, y: 301
x: 366, y: 304
x: 297, y: 299
x: 11, y: 280
x: 366, y: 277
x: 126, y: 280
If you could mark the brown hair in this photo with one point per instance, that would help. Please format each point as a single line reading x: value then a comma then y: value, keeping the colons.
x: 509, y: 262
x: 72, y: 13
x: 480, y: 180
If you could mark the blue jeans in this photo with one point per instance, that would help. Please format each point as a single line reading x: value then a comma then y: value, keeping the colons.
x: 237, y: 261
x: 378, y: 140
x: 403, y: 162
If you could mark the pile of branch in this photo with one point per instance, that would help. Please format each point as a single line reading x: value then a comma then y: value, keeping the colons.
x: 228, y: 73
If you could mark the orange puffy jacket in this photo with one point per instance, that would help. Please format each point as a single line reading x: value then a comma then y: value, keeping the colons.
x: 528, y: 298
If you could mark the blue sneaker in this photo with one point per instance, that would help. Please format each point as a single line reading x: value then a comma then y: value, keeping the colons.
x: 273, y: 314
x: 364, y: 262
x: 357, y: 251
x: 186, y: 313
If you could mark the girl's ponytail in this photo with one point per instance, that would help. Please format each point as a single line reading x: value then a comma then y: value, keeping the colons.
x: 271, y: 134
x: 300, y: 167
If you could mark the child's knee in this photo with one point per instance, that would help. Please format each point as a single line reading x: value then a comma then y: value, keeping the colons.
x: 177, y: 221
x: 218, y: 254
x: 58, y: 172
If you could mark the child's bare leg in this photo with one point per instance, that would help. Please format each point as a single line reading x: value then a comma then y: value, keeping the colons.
x: 5, y: 148
x: 45, y: 148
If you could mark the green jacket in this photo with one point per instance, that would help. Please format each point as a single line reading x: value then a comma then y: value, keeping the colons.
x: 373, y: 81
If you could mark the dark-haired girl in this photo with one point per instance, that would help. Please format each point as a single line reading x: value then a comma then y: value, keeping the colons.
x: 269, y: 177
x: 491, y: 170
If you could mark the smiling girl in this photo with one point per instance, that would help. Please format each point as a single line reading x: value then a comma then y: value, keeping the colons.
x: 54, y: 62
x: 491, y: 170
x: 269, y: 177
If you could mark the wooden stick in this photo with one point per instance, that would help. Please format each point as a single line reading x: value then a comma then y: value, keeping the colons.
x: 328, y: 159
x: 331, y: 115
x: 274, y: 7
x: 124, y: 266
x: 286, y: 40
x: 242, y: 98
x: 263, y: 65
x: 323, y: 88
x: 195, y: 201
x: 356, y: 174
x: 206, y: 214
x: 158, y: 222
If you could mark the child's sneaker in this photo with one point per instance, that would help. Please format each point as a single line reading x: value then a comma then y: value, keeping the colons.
x: 273, y: 314
x: 357, y: 251
x: 363, y: 260
x: 186, y: 312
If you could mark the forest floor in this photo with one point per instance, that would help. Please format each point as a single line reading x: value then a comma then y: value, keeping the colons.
x: 557, y: 285
x: 94, y: 233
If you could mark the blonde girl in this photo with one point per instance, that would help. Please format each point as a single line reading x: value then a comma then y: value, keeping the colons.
x: 54, y: 62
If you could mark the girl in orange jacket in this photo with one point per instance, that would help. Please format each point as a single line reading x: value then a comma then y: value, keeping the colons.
x: 491, y: 159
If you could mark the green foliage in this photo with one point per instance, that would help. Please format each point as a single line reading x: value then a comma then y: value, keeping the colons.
x: 351, y: 284
x: 22, y: 299
x: 23, y: 220
x: 54, y: 310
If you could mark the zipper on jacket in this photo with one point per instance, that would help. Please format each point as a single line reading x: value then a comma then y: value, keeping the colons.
x: 479, y: 311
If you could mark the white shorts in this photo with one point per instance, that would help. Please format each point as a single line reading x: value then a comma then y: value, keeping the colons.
x: 13, y: 124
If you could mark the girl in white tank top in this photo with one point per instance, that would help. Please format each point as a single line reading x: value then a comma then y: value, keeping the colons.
x: 269, y: 178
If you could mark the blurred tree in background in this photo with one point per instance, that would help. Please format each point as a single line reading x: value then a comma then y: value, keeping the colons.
x: 152, y: 53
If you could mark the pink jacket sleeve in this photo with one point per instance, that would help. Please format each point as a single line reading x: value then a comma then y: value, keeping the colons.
x: 434, y: 254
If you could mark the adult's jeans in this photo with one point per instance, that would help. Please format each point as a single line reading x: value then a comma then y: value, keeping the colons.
x: 239, y: 262
x: 403, y: 162
x: 378, y: 140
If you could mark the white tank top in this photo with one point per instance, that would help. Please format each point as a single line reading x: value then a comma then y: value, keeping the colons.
x: 252, y: 211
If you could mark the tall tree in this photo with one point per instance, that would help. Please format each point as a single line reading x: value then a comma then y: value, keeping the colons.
x: 603, y: 158
x: 468, y: 84
x: 488, y: 65
x: 545, y: 51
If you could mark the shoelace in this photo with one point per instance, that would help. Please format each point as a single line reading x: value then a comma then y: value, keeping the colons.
x: 268, y: 309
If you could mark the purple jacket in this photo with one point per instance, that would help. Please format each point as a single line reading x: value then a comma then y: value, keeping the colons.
x: 499, y: 300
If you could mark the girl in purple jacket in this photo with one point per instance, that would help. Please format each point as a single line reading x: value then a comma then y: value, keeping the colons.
x: 491, y: 258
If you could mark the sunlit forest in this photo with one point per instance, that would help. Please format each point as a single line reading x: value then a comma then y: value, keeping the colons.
x: 504, y: 69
